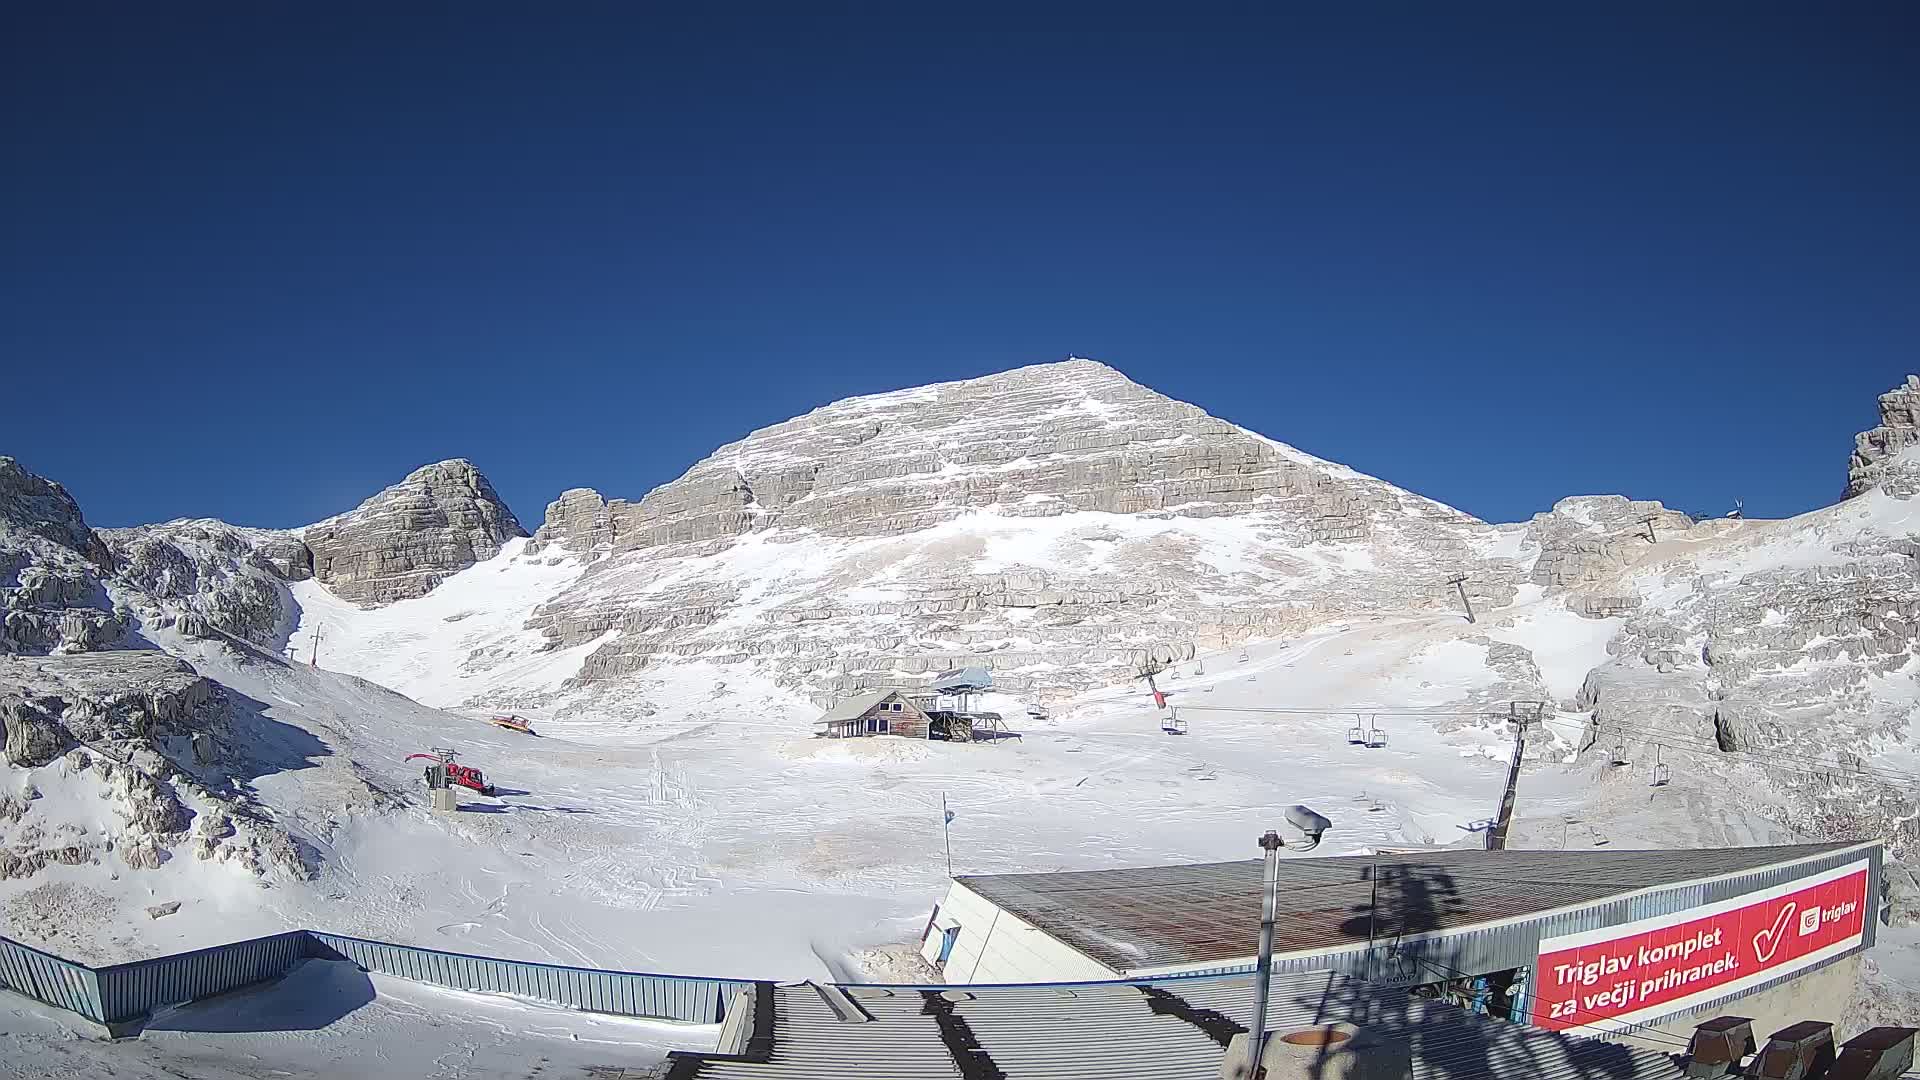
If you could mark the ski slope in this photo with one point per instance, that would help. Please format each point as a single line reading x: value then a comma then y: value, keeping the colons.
x: 715, y: 836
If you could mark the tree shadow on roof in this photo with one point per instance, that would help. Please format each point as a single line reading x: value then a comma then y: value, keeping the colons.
x: 1447, y: 1042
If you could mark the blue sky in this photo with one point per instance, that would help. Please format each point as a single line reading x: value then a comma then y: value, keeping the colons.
x: 258, y: 261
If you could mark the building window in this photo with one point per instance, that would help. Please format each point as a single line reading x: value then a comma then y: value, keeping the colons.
x: 876, y: 725
x: 897, y: 707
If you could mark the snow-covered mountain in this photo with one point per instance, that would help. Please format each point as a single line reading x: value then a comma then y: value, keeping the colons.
x: 1059, y: 524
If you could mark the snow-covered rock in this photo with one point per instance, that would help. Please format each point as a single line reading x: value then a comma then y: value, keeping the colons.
x: 208, y: 577
x: 51, y: 566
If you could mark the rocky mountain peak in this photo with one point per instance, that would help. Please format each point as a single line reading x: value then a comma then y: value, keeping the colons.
x: 42, y: 508
x: 1037, y: 441
x: 1057, y: 522
x: 439, y: 520
x: 51, y: 566
x: 1881, y: 455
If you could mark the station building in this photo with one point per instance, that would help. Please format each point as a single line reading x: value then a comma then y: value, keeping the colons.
x: 1638, y: 946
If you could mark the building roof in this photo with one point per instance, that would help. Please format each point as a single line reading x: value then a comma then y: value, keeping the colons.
x: 1167, y: 1029
x: 963, y: 679
x: 1162, y: 916
x: 855, y: 707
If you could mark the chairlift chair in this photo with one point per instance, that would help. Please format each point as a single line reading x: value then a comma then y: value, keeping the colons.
x: 1377, y: 738
x: 1173, y: 724
x: 1620, y: 754
x: 1357, y: 735
x: 1661, y: 772
x: 1243, y: 656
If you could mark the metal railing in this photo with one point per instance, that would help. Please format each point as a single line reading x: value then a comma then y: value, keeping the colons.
x: 623, y: 993
x: 45, y: 977
x: 122, y: 993
x: 133, y: 990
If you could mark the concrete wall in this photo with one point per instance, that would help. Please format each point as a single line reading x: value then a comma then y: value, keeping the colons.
x: 997, y: 947
x: 1818, y: 995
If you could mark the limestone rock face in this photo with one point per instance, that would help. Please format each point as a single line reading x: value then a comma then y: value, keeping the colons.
x: 404, y: 541
x: 1034, y: 442
x: 41, y: 508
x: 1058, y: 524
x: 33, y: 733
x: 1882, y: 456
x: 209, y: 578
x: 51, y: 568
x: 1586, y: 537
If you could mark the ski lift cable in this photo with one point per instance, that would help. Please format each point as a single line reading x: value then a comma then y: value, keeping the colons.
x: 1662, y: 738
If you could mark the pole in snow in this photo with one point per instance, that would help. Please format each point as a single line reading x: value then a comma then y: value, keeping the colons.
x: 1263, y: 972
x: 1459, y: 582
x: 946, y: 826
x: 314, y: 659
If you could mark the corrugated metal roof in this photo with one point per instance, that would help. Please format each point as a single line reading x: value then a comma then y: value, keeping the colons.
x: 1154, y: 917
x: 963, y: 679
x: 855, y: 707
x: 1147, y: 1030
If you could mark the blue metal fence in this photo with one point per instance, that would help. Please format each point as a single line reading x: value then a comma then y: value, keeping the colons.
x: 45, y: 977
x: 623, y: 993
x: 130, y: 991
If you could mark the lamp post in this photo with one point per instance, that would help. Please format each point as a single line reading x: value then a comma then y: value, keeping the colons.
x: 1263, y: 972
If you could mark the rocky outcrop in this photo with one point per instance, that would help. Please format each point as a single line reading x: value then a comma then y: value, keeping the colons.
x: 33, y: 733
x: 51, y: 565
x: 404, y: 541
x: 38, y: 507
x: 208, y: 578
x: 1587, y: 537
x: 118, y: 697
x: 1881, y: 456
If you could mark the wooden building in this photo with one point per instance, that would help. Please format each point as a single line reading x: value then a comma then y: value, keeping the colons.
x: 879, y: 712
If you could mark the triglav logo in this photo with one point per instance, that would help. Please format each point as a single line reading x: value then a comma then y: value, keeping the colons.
x: 1766, y: 942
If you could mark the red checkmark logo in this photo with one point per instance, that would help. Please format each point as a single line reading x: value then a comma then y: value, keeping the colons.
x: 1767, y: 942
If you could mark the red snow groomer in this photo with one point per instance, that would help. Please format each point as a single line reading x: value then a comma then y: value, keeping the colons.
x: 465, y: 776
x: 513, y: 723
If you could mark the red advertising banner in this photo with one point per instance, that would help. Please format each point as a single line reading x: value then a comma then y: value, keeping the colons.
x: 1617, y: 975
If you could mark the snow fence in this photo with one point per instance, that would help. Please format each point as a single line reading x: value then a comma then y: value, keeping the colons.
x: 124, y: 994
x: 45, y: 977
